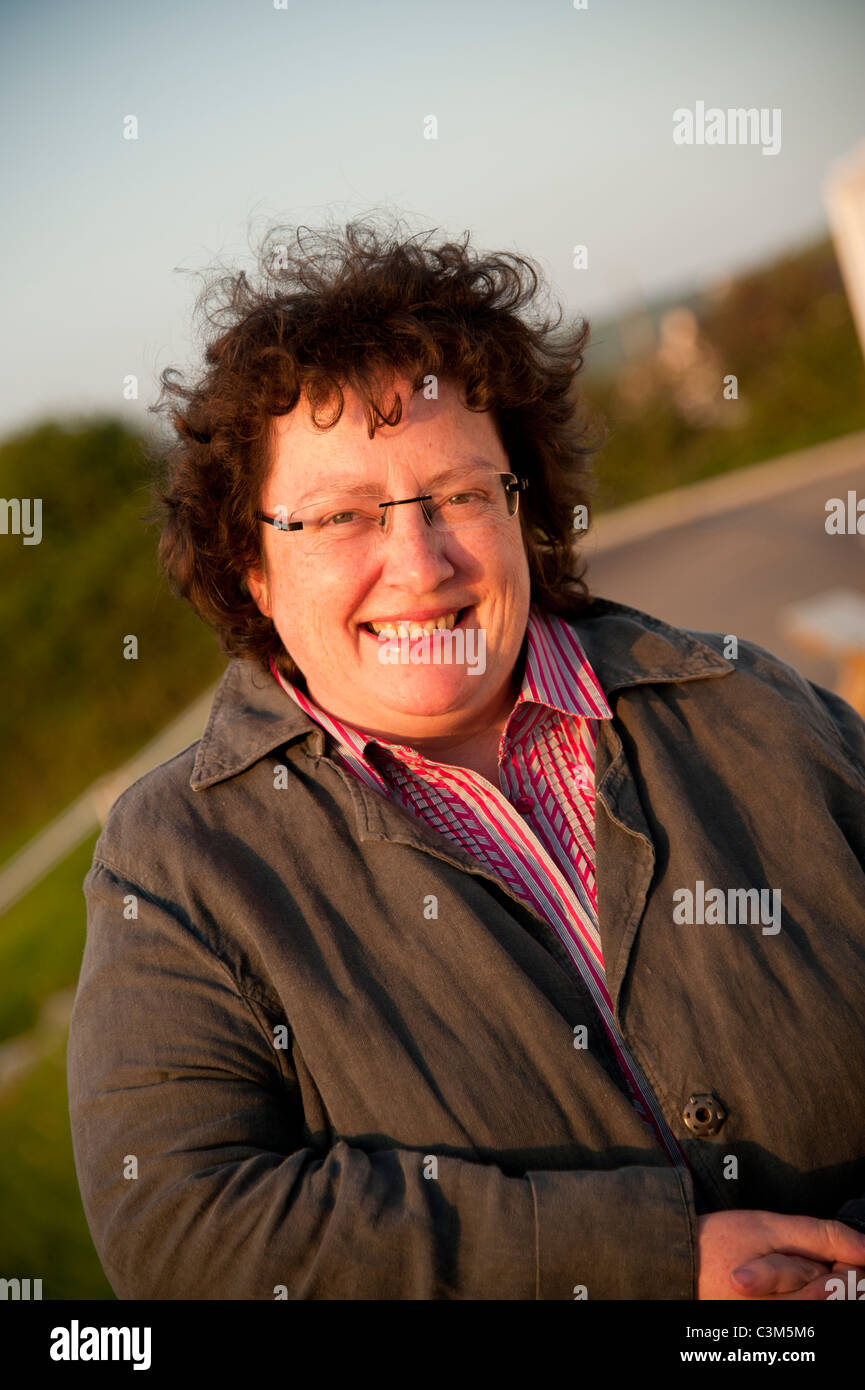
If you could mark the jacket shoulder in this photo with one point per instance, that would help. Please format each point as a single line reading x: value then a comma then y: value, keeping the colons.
x: 764, y: 679
x: 156, y: 810
x: 758, y: 690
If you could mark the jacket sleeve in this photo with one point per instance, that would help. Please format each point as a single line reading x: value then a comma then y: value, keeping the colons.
x: 199, y: 1180
x: 850, y: 729
x: 849, y: 726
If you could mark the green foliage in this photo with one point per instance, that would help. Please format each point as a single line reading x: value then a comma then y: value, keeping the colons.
x: 786, y: 332
x: 43, y: 1231
x: 74, y: 707
x: 41, y: 942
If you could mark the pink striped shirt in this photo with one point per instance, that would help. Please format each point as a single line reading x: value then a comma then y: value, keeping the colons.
x: 536, y: 832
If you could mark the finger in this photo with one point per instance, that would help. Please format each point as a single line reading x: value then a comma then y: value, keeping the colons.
x: 849, y: 1244
x: 825, y: 1240
x: 775, y: 1274
x: 841, y: 1270
x: 819, y: 1289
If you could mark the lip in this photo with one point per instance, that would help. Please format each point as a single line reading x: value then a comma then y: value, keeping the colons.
x: 418, y: 615
x: 465, y: 613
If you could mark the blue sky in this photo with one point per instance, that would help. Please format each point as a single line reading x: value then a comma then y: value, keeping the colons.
x: 554, y: 129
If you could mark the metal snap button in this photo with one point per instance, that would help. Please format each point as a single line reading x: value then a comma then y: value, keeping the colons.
x: 704, y: 1114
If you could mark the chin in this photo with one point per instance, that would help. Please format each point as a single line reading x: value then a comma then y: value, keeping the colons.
x: 416, y: 697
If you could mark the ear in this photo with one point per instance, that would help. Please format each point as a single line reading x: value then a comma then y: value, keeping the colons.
x: 256, y: 582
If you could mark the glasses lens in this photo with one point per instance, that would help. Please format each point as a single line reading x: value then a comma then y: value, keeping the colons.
x: 475, y: 500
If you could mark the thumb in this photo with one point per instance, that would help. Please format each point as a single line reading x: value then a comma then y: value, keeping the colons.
x: 771, y: 1274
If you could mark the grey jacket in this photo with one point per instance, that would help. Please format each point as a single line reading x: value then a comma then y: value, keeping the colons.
x: 317, y: 1051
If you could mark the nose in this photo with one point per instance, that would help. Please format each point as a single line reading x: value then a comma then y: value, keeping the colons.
x: 411, y: 550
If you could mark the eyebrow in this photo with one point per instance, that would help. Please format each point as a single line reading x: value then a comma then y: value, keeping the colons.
x: 353, y: 486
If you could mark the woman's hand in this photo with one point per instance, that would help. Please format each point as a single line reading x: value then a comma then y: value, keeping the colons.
x: 786, y: 1256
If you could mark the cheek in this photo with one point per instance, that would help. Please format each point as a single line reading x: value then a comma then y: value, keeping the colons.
x: 317, y: 611
x: 513, y: 559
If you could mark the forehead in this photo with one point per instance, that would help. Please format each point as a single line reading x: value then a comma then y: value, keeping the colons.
x: 431, y: 435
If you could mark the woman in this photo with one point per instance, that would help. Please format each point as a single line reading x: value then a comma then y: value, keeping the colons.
x: 391, y: 986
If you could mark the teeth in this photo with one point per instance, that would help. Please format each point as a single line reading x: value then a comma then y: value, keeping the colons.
x: 398, y: 628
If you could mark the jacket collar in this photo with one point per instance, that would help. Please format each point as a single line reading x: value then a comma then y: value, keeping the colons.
x: 251, y: 714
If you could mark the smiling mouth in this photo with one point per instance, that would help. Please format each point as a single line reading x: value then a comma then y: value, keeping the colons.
x: 461, y: 616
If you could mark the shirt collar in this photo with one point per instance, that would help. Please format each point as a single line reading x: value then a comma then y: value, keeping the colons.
x: 556, y: 674
x: 619, y: 646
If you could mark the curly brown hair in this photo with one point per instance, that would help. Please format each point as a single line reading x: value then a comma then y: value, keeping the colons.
x: 334, y: 309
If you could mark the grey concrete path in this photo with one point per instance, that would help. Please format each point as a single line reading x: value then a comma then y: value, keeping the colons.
x: 735, y: 553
